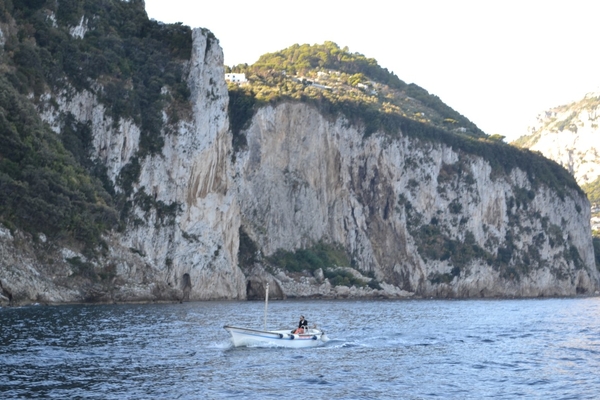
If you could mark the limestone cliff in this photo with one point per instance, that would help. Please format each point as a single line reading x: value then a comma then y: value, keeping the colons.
x: 416, y: 216
x: 568, y: 134
x: 182, y: 246
x: 421, y: 216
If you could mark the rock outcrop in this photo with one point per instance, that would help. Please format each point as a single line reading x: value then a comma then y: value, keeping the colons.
x: 196, y: 237
x: 419, y: 217
x: 396, y: 204
x: 569, y: 135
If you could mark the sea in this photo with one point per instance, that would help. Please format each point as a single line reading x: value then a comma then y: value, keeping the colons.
x: 378, y: 349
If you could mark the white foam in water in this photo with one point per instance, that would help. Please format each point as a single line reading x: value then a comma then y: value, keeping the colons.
x: 221, y: 345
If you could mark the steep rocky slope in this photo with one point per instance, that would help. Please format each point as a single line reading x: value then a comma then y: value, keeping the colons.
x: 569, y: 135
x: 181, y: 237
x: 420, y: 216
x: 415, y: 214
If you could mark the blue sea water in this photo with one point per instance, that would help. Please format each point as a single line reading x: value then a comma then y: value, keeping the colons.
x: 411, y: 349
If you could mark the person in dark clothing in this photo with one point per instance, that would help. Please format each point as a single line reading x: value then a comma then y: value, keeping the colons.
x: 302, y: 325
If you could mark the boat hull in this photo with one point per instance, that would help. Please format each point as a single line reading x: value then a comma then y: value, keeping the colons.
x: 282, y: 338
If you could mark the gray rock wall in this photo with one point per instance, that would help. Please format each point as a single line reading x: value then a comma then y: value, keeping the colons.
x: 304, y: 179
x: 192, y: 173
x: 394, y: 205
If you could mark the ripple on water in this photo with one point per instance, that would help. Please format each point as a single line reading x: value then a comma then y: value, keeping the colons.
x: 398, y: 349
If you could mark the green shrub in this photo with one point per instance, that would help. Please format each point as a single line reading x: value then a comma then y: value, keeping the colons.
x: 373, y: 284
x: 166, y: 214
x: 242, y: 105
x: 82, y: 268
x: 434, y: 245
x: 248, y: 250
x: 321, y: 255
x: 592, y: 190
x: 573, y: 255
x: 437, y: 278
x: 455, y: 207
x: 341, y: 277
x: 523, y: 197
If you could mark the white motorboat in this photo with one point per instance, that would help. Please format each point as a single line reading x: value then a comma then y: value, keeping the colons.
x: 311, y: 337
x: 308, y: 337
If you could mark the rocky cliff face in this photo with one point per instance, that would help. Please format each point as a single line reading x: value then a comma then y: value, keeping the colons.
x: 422, y: 217
x: 185, y: 245
x: 419, y: 217
x: 569, y: 135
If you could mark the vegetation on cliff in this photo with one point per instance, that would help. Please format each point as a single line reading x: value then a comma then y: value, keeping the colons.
x: 43, y: 188
x: 592, y: 190
x: 570, y: 117
x: 574, y: 126
x: 338, y: 82
x: 124, y: 58
x: 332, y: 259
x: 134, y: 66
x: 50, y: 184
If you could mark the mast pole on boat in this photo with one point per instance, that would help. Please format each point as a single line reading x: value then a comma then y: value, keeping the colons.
x: 266, y: 304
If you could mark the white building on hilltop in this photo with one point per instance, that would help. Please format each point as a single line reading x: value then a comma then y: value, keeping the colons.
x: 235, y: 78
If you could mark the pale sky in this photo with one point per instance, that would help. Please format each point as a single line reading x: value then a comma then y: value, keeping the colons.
x: 499, y: 63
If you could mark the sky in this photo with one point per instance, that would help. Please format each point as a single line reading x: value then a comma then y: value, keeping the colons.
x: 498, y: 63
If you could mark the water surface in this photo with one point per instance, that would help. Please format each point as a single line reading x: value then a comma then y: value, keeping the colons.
x: 416, y: 349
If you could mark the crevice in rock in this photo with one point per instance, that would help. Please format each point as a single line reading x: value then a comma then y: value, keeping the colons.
x: 6, y: 293
x: 186, y: 283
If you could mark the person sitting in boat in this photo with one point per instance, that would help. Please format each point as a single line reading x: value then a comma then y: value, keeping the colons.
x: 302, y: 325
